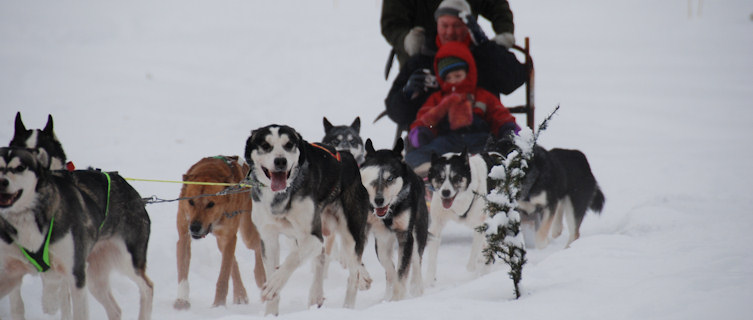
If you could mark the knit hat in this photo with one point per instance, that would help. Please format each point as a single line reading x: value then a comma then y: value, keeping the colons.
x: 457, y: 8
x: 449, y: 64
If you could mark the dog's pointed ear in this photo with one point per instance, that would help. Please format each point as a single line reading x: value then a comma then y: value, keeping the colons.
x: 356, y: 125
x: 302, y: 145
x: 327, y: 125
x: 369, y: 147
x: 464, y: 155
x: 20, y: 127
x: 48, y: 127
x: 398, y: 149
x: 43, y: 158
x: 249, y: 147
x: 434, y: 158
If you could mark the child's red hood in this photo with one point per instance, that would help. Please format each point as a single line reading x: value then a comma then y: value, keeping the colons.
x: 459, y: 50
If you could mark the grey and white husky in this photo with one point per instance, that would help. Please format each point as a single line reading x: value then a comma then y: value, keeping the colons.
x: 345, y: 138
x: 399, y: 213
x: 54, y: 228
x: 127, y: 225
x: 43, y: 139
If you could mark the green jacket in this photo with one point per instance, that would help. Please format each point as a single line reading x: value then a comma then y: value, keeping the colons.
x: 400, y: 16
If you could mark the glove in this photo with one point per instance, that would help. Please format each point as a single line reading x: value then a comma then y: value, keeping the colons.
x: 419, y: 82
x: 414, y: 40
x: 420, y: 136
x: 505, y: 39
x: 478, y: 35
x: 507, y: 130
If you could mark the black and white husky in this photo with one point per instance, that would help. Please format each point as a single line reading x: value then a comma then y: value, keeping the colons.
x: 399, y: 213
x: 345, y: 138
x: 460, y: 184
x: 559, y: 185
x: 44, y: 139
x: 53, y: 227
x: 126, y: 227
x: 305, y: 191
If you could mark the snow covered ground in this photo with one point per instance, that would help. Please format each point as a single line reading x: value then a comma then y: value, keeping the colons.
x: 657, y: 94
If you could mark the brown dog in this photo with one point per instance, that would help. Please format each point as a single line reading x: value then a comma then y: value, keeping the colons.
x: 221, y: 216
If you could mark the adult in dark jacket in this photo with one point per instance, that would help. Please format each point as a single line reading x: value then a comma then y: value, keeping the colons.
x: 405, y: 24
x: 499, y: 71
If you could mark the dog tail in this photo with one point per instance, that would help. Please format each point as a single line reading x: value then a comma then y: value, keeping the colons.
x: 597, y: 202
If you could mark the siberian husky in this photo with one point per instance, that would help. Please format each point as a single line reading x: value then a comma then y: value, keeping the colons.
x: 63, y: 232
x: 396, y: 195
x: 460, y: 184
x: 305, y: 191
x: 559, y: 185
x: 41, y: 139
x: 127, y: 220
x: 345, y: 138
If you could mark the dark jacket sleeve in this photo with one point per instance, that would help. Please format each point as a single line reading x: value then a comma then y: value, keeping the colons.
x: 499, y: 70
x: 497, y: 12
x: 397, y: 19
x: 400, y: 108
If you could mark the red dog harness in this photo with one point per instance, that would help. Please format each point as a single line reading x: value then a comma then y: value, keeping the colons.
x: 335, y: 155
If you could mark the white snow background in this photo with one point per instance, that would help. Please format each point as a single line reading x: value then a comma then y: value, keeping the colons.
x: 658, y: 95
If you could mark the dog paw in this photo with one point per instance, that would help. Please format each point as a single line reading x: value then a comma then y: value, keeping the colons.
x: 364, y: 279
x: 398, y: 292
x: 181, y: 304
x: 241, y: 299
x: 471, y: 266
x: 316, y: 300
x: 417, y: 291
x: 430, y: 282
x: 273, y: 286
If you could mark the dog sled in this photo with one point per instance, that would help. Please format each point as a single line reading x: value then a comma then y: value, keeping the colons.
x: 527, y: 108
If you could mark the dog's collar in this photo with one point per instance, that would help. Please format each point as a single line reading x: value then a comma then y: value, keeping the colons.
x: 225, y: 159
x: 335, y: 155
x: 465, y: 214
x: 232, y: 214
x: 41, y: 258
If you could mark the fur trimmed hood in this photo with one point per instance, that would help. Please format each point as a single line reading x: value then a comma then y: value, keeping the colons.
x: 461, y: 51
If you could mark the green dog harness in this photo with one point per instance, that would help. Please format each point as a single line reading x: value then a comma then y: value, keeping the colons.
x: 41, y: 258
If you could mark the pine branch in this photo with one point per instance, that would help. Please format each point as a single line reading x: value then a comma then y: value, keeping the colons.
x: 502, y: 227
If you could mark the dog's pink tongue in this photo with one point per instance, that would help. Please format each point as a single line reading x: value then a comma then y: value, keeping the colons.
x: 279, y: 181
x: 447, y: 203
x: 380, y: 212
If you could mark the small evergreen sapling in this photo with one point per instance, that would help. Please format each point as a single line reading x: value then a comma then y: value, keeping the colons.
x: 502, y: 226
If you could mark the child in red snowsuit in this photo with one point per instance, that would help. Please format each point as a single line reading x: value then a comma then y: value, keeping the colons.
x: 460, y: 115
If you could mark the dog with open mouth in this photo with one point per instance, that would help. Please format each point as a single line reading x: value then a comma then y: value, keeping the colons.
x: 122, y: 239
x: 399, y: 215
x: 55, y: 227
x: 222, y: 216
x: 459, y: 183
x: 305, y: 191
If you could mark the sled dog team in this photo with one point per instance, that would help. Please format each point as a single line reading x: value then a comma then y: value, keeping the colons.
x: 74, y: 227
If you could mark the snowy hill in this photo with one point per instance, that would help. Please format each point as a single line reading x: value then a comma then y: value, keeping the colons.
x: 656, y: 94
